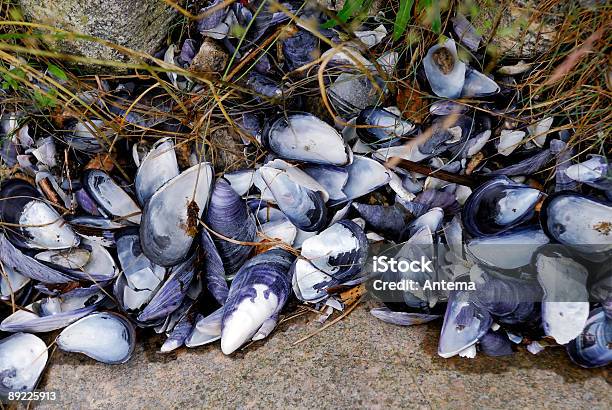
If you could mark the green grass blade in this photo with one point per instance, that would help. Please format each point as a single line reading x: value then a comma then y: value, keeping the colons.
x: 402, y: 18
x: 351, y: 7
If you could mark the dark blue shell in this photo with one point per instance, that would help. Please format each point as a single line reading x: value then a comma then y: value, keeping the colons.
x: 371, y: 119
x: 15, y: 194
x: 214, y: 272
x: 509, y: 299
x: 270, y: 268
x: 299, y: 49
x: 496, y: 344
x: 592, y: 347
x: 170, y: 296
x: 27, y: 266
x: 229, y: 216
x: 486, y: 204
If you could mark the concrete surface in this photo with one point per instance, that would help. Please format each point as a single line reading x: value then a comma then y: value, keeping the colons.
x: 359, y: 362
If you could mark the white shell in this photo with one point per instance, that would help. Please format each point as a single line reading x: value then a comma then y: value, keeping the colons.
x: 23, y: 358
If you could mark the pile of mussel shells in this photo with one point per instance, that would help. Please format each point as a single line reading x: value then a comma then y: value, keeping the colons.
x: 93, y: 254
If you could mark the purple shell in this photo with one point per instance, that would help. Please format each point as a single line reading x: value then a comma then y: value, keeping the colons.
x: 170, y: 296
x: 16, y: 194
x: 264, y: 85
x: 441, y: 199
x: 49, y: 321
x: 27, y: 266
x: 496, y: 344
x: 261, y: 277
x: 188, y: 51
x: 228, y: 215
x: 214, y: 270
x: 592, y: 347
x: 466, y: 32
x: 86, y: 202
x: 389, y: 221
x: 511, y: 300
x: 299, y: 49
x: 179, y: 334
x: 270, y: 268
x: 527, y: 166
x: 211, y: 20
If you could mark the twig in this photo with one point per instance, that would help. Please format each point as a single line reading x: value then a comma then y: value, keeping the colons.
x: 343, y: 315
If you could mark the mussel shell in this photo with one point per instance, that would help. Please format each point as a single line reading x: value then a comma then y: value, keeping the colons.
x: 565, y: 307
x: 385, y: 128
x: 206, y: 329
x: 592, y: 347
x: 304, y: 137
x: 579, y: 221
x: 259, y: 291
x: 507, y: 251
x: 22, y: 264
x: 478, y: 85
x: 402, y: 318
x: 332, y: 178
x: 340, y: 250
x: 54, y: 313
x: 299, y: 196
x: 229, y: 216
x: 110, y: 196
x: 445, y: 80
x: 464, y: 324
x: 23, y: 358
x: 214, y: 272
x: 171, y: 294
x: 158, y: 167
x: 509, y: 299
x: 106, y: 337
x: 365, y: 176
x: 497, y: 206
x: 299, y: 49
x: 595, y: 172
x: 170, y: 219
x: 495, y: 343
x: 31, y: 222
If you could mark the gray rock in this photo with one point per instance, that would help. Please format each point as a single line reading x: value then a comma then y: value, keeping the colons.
x: 139, y: 25
x: 211, y: 58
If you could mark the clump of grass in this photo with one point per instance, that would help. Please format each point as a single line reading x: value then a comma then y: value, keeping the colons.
x: 48, y: 85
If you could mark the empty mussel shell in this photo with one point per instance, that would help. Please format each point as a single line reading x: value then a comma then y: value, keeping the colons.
x: 300, y: 197
x: 304, y: 137
x: 30, y: 221
x: 499, y: 205
x: 110, y: 196
x: 444, y: 71
x: 171, y: 216
x: 382, y: 128
x: 106, y: 337
x: 157, y: 167
x: 592, y: 347
x: 23, y: 358
x: 579, y: 221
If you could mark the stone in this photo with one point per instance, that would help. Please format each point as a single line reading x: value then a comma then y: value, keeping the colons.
x: 211, y: 58
x: 139, y: 25
x: 526, y: 30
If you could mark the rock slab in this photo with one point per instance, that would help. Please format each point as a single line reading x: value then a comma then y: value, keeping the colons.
x: 140, y: 25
